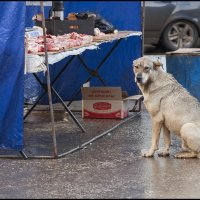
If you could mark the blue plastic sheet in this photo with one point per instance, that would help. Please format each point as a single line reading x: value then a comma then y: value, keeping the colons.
x: 117, y: 70
x: 185, y: 68
x: 12, y: 23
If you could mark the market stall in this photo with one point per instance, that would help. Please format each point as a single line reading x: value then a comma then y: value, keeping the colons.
x: 53, y: 76
x: 33, y: 67
x: 128, y: 49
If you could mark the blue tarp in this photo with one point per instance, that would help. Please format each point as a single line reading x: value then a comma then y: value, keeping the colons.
x: 12, y: 23
x: 117, y: 70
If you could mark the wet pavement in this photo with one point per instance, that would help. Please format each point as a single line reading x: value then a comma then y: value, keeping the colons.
x: 110, y: 167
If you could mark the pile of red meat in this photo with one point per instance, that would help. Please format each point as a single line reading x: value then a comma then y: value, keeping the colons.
x: 57, y: 43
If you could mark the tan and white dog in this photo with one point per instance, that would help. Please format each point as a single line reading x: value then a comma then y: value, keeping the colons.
x: 171, y: 108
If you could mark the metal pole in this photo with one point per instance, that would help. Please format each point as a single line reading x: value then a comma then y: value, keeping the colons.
x: 143, y: 24
x: 48, y: 82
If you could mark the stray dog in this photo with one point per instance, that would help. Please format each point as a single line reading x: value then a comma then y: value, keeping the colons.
x: 171, y: 108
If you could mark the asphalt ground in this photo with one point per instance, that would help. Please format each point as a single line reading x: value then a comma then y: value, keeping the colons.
x: 110, y: 167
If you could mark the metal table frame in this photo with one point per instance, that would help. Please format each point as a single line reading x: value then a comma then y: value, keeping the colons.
x: 56, y: 94
x: 92, y: 73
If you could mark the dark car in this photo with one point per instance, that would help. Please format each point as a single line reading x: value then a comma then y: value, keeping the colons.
x: 172, y: 24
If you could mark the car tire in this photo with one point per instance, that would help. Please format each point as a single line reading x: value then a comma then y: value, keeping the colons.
x: 180, y: 34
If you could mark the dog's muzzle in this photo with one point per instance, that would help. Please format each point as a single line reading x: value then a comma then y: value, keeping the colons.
x: 139, y: 78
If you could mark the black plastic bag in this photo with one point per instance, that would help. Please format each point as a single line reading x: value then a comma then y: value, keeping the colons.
x: 100, y: 23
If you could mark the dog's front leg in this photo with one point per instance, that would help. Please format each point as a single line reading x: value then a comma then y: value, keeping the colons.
x: 167, y: 142
x: 155, y: 138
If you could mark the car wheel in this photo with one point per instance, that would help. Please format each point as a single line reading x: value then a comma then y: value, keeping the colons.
x: 180, y: 34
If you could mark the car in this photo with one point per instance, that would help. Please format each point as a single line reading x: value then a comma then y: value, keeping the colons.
x: 172, y: 24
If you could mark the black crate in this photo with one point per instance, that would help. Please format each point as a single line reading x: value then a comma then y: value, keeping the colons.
x: 60, y: 27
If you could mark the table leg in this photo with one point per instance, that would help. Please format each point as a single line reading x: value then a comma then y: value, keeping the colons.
x: 94, y: 72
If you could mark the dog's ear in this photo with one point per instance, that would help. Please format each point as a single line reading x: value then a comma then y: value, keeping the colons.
x: 135, y: 61
x: 157, y: 64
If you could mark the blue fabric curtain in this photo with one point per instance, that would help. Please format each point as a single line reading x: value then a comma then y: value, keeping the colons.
x: 12, y: 23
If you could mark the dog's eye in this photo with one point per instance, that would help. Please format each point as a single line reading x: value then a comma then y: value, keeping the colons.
x: 136, y: 66
x: 146, y: 68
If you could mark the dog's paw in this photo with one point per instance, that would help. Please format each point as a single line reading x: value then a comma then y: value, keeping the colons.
x: 186, y: 154
x: 179, y: 155
x: 147, y: 154
x: 163, y: 153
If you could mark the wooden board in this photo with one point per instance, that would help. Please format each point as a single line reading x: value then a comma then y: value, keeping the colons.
x: 190, y: 51
x: 111, y: 36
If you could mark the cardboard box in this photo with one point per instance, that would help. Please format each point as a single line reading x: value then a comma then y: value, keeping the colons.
x: 60, y: 27
x: 104, y: 102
